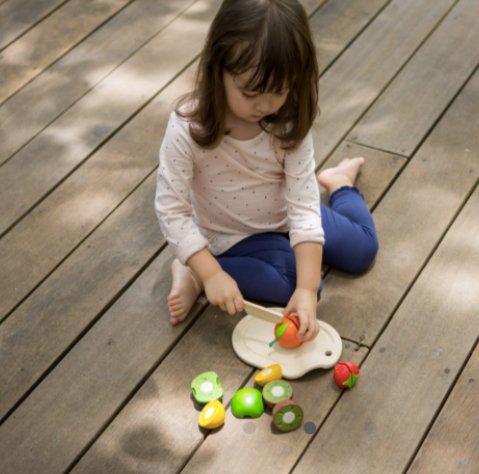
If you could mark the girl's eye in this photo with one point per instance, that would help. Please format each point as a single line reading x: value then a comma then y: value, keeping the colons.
x: 249, y: 95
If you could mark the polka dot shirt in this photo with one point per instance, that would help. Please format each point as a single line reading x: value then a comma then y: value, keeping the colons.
x: 215, y: 198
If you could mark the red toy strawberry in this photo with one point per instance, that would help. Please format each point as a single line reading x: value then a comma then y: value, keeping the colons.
x: 346, y: 374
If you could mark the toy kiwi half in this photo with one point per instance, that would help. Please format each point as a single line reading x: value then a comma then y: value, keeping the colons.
x: 277, y: 391
x: 287, y: 415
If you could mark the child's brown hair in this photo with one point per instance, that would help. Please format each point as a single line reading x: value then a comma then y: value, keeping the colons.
x: 272, y: 38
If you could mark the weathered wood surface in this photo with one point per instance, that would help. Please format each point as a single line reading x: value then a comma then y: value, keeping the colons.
x: 370, y: 62
x: 88, y: 355
x: 41, y: 46
x: 50, y: 94
x: 423, y: 201
x: 18, y: 16
x: 407, y: 375
x: 401, y: 118
x: 452, y: 445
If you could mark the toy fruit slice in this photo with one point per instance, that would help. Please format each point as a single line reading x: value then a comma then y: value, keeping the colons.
x: 346, y: 374
x: 206, y: 387
x: 272, y: 372
x: 212, y: 416
x: 286, y: 332
x: 277, y: 391
x: 287, y: 415
x: 247, y: 402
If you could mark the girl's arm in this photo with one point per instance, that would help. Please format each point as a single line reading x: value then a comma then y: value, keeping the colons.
x: 306, y: 233
x: 304, y: 300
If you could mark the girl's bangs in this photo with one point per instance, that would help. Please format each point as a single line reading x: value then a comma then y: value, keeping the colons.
x: 275, y: 64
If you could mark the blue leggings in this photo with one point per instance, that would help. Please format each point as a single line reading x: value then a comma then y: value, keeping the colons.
x: 264, y: 267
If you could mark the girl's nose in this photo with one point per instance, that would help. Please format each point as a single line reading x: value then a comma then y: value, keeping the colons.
x: 264, y: 103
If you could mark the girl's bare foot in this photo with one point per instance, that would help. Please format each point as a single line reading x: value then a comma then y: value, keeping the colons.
x: 184, y: 291
x: 344, y: 174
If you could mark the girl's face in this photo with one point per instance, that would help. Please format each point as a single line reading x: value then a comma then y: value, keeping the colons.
x: 250, y: 106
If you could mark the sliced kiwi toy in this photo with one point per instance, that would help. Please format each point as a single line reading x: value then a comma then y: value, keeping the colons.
x: 277, y: 391
x: 287, y: 415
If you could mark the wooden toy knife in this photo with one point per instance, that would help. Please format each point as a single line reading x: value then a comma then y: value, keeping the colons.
x: 261, y: 312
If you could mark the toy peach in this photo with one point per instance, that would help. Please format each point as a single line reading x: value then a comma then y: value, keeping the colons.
x: 268, y: 374
x: 346, y: 374
x: 286, y: 332
x: 212, y: 416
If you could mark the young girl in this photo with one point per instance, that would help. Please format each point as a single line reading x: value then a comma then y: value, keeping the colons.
x: 237, y: 195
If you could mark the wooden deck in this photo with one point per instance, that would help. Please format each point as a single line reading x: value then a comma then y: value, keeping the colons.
x: 93, y: 379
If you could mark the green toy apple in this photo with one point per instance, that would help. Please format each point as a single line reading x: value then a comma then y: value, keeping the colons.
x: 247, y: 402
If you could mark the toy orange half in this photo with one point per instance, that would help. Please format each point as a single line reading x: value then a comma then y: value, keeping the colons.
x: 287, y: 335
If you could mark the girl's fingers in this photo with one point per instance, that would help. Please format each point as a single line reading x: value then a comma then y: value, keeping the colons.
x: 230, y: 307
x: 311, y: 330
x: 239, y: 305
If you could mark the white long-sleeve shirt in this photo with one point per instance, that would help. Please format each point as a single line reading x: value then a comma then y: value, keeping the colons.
x: 215, y: 198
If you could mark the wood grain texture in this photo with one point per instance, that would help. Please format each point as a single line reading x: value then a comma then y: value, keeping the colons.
x: 410, y: 221
x: 68, y: 142
x: 376, y: 175
x: 42, y: 45
x: 89, y: 194
x: 101, y: 371
x: 358, y: 77
x: 120, y: 235
x: 409, y: 107
x: 94, y: 379
x: 47, y: 96
x: 20, y: 15
x: 376, y: 427
x: 337, y: 24
x: 451, y: 445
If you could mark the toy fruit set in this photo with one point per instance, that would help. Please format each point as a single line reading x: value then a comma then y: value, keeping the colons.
x: 250, y: 402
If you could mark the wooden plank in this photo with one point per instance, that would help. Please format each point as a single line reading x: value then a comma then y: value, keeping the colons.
x: 59, y: 223
x: 338, y: 23
x: 452, y: 445
x: 410, y: 220
x: 160, y: 415
x: 379, y: 171
x: 20, y: 15
x: 58, y: 319
x: 48, y: 95
x: 42, y: 45
x: 363, y: 71
x: 376, y: 427
x: 101, y: 371
x: 405, y: 112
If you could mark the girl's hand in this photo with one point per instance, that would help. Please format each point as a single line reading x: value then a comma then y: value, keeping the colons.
x: 303, y: 303
x: 221, y: 290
